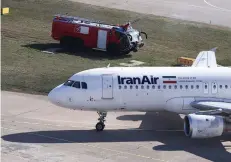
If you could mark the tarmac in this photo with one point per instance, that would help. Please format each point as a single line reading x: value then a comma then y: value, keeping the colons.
x: 33, y: 129
x: 215, y: 12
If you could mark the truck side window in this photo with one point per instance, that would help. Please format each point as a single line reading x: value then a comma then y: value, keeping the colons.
x: 117, y: 34
x: 84, y: 85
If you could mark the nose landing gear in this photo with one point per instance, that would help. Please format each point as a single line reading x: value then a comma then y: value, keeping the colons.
x: 100, y: 125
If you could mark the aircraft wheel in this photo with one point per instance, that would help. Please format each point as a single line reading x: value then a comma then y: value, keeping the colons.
x: 100, y: 126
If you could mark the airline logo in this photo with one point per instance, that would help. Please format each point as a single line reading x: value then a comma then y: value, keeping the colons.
x: 137, y: 80
x: 169, y: 79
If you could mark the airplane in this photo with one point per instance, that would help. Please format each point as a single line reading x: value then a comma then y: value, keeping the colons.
x: 202, y: 92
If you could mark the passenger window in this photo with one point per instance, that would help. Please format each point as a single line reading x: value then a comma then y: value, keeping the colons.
x: 181, y: 86
x: 119, y: 87
x: 164, y: 86
x: 136, y: 86
x: 142, y: 87
x: 147, y: 86
x: 192, y: 87
x: 220, y: 86
x: 158, y: 86
x: 69, y: 83
x: 153, y: 87
x: 175, y: 86
x: 125, y: 87
x: 76, y: 85
x: 186, y: 86
x: 197, y: 86
x: 170, y: 87
x: 130, y: 86
x: 214, y: 86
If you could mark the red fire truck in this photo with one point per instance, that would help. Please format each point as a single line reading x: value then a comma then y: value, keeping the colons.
x: 75, y: 32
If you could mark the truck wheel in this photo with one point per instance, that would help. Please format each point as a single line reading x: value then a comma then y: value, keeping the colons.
x: 127, y: 52
x: 78, y: 43
x: 113, y: 50
x: 70, y: 43
x: 65, y: 42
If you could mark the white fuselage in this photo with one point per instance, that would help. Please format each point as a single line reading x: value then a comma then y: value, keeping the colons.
x: 163, y: 88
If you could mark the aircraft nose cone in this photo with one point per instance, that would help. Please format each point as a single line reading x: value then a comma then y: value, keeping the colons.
x: 54, y: 96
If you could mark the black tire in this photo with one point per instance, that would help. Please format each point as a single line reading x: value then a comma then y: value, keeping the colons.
x: 99, y: 126
x: 65, y: 42
x: 78, y: 43
x: 71, y: 43
x: 113, y: 49
x: 127, y: 52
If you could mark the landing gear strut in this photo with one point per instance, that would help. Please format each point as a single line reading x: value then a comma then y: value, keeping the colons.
x: 100, y: 125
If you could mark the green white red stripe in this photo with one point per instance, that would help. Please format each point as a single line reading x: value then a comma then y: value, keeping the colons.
x: 169, y: 79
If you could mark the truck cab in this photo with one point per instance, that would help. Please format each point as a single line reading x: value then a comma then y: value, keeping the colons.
x: 129, y: 39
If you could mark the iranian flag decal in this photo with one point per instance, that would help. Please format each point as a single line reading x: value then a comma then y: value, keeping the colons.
x: 169, y: 79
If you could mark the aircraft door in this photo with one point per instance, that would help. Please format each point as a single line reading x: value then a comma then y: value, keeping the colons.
x: 107, y: 86
x: 214, y: 87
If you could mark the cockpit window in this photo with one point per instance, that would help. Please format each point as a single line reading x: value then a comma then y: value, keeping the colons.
x: 76, y: 84
x: 84, y: 85
x: 69, y: 83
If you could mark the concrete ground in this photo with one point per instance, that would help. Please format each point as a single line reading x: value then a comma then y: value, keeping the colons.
x: 216, y: 12
x: 35, y: 130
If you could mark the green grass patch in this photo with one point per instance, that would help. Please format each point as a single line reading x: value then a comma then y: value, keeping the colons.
x: 26, y: 31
